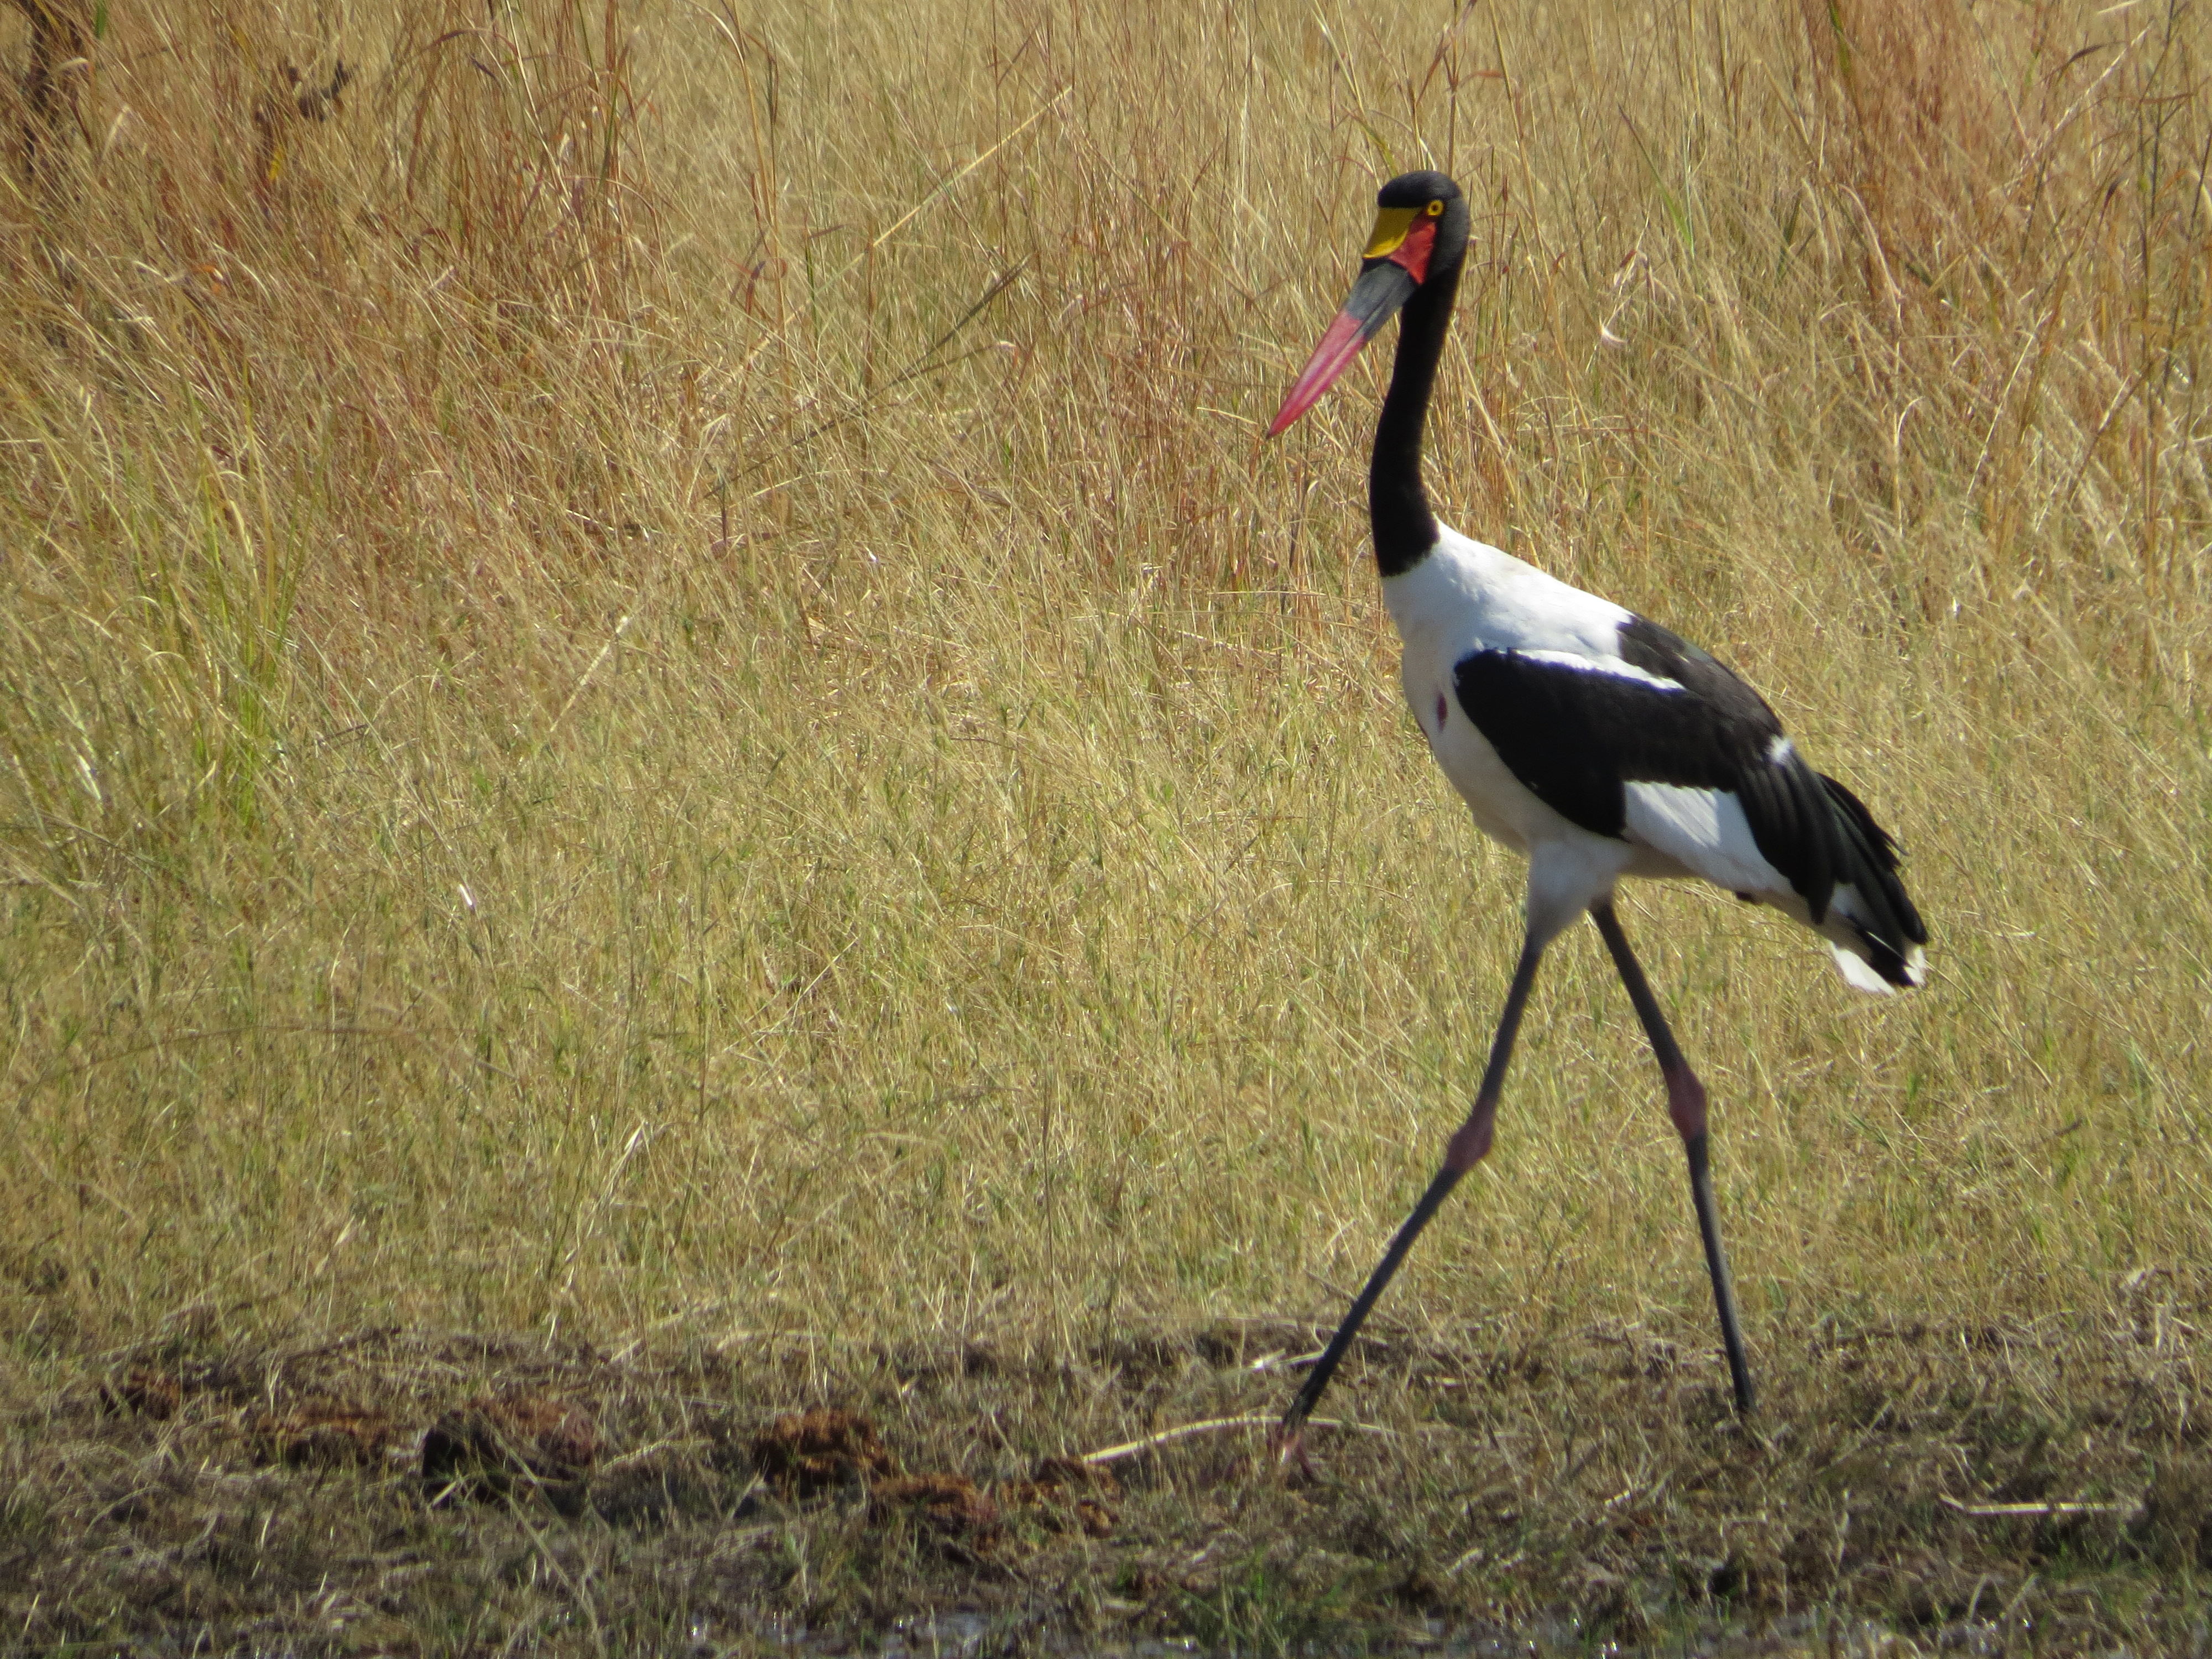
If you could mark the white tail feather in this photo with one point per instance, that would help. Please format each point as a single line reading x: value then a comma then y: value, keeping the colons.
x: 1858, y: 974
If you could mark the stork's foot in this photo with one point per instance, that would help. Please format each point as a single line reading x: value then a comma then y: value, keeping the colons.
x: 1286, y: 1451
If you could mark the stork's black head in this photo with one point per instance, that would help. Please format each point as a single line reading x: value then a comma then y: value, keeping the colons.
x: 1417, y: 190
x: 1419, y: 237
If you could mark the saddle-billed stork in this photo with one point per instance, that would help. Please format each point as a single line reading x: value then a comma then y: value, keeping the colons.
x: 1595, y: 742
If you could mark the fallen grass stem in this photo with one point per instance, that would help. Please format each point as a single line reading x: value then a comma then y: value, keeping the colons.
x: 1964, y: 1508
x: 1214, y: 1425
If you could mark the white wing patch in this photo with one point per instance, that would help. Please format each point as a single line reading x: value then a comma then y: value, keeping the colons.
x: 1704, y: 831
x: 1615, y: 667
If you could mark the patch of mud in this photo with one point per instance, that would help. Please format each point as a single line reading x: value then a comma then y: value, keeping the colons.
x: 144, y: 1391
x: 322, y: 1434
x: 948, y: 1506
x: 801, y: 1454
x: 1066, y: 1492
x: 496, y: 1448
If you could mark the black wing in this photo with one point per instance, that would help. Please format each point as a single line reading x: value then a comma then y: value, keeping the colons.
x: 1575, y: 737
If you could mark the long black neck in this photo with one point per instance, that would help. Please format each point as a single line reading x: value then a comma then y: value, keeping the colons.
x: 1405, y: 529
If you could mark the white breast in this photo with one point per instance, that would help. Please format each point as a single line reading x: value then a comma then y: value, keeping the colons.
x: 1465, y: 597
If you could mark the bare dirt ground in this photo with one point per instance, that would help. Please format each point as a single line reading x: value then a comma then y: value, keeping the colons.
x: 2008, y: 1489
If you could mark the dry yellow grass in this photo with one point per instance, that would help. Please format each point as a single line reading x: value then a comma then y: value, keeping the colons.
x: 653, y: 687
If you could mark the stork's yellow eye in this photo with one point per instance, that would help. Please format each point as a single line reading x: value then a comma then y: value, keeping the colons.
x: 1435, y: 209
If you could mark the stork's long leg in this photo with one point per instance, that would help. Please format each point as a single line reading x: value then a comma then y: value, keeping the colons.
x: 1686, y: 1104
x: 1462, y: 1153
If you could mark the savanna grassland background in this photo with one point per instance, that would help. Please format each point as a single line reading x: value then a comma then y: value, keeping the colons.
x: 665, y: 737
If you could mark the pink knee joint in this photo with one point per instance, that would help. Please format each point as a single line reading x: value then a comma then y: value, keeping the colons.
x: 1686, y: 1102
x: 1469, y: 1145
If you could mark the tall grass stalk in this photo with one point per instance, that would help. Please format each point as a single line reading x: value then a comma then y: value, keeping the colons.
x: 652, y: 684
